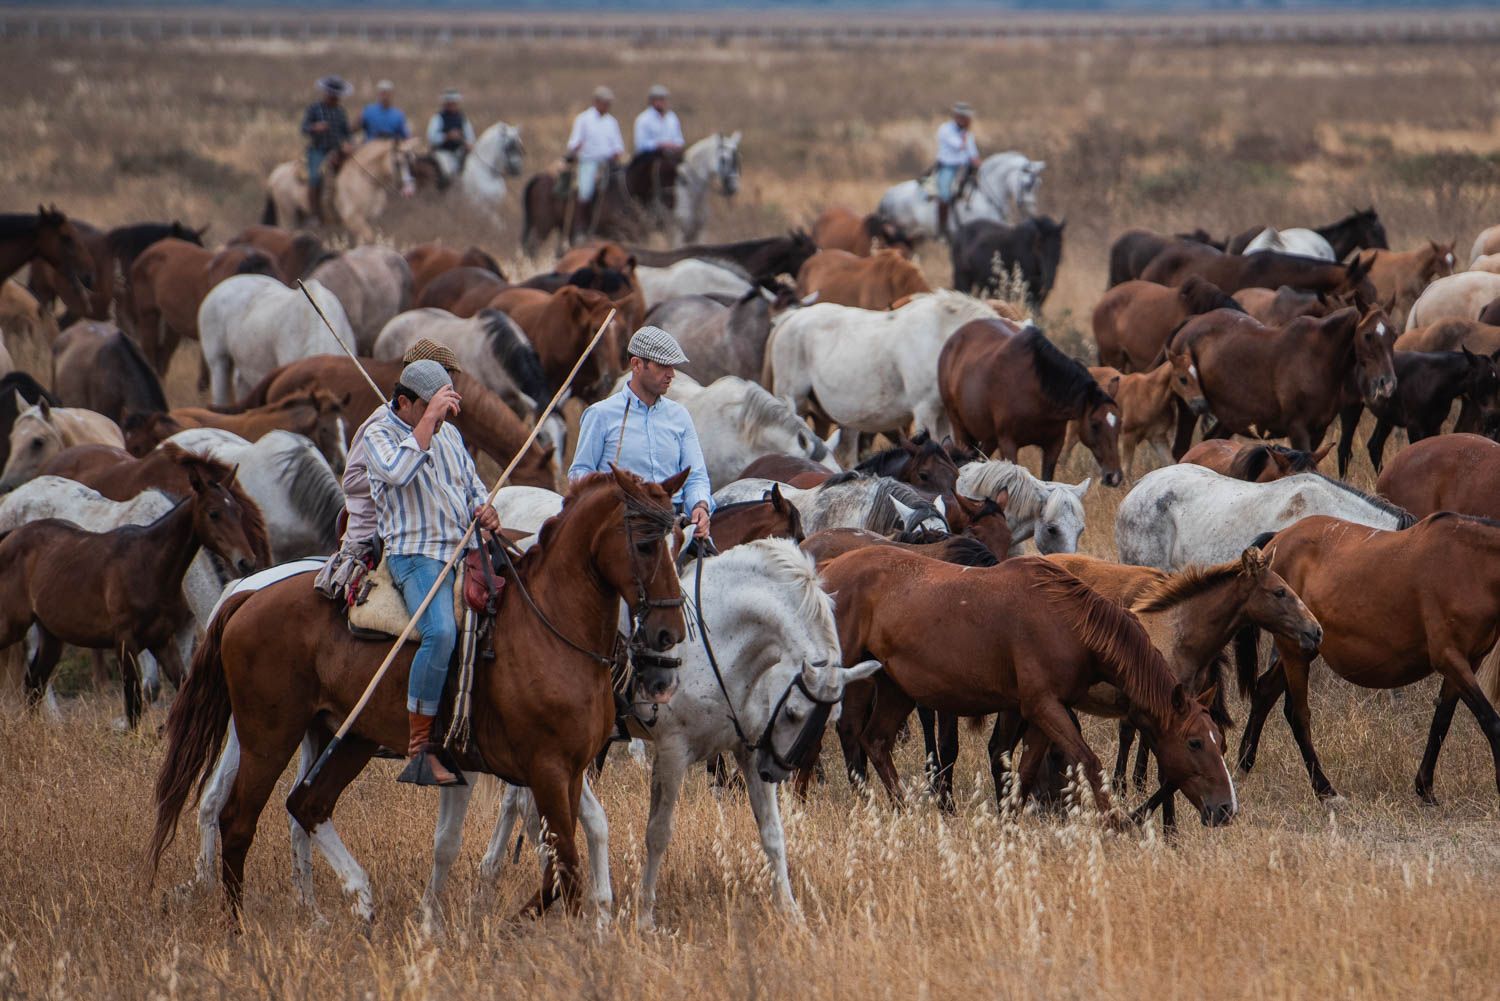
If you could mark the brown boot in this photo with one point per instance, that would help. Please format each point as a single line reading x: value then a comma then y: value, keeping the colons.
x: 425, y: 768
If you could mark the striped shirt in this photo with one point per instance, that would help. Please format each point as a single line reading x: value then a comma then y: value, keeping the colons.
x: 424, y: 499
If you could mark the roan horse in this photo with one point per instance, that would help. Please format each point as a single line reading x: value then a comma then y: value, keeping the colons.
x: 1023, y: 635
x: 1006, y: 388
x: 122, y: 590
x: 544, y: 708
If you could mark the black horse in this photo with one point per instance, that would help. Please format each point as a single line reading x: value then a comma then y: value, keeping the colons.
x: 1032, y: 248
x: 1359, y: 230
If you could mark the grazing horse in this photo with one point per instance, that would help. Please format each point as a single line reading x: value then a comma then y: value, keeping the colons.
x: 849, y: 500
x: 691, y: 277
x: 874, y: 282
x: 560, y: 325
x: 372, y: 283
x: 1135, y: 319
x: 1453, y: 472
x: 985, y: 254
x: 1231, y: 272
x: 540, y: 719
x: 498, y: 153
x: 168, y: 283
x: 760, y: 259
x: 1025, y: 635
x: 1050, y: 514
x: 865, y: 370
x: 319, y: 416
x: 42, y: 431
x: 487, y: 424
x: 112, y: 254
x: 47, y: 236
x: 1182, y: 515
x: 462, y: 291
x: 1399, y: 278
x: 1149, y: 402
x: 712, y: 162
x: 250, y: 325
x: 490, y: 346
x: 1283, y: 305
x: 428, y: 261
x: 737, y: 421
x: 1253, y: 462
x: 1427, y: 383
x: 1393, y: 612
x: 838, y: 228
x: 122, y: 590
x: 1456, y: 297
x: 359, y: 193
x: 721, y: 339
x: 1288, y: 380
x: 96, y: 366
x: 1005, y: 388
x: 296, y: 252
x: 771, y: 517
x: 1360, y: 229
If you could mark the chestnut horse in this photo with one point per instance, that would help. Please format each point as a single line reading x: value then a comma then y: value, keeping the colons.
x: 282, y: 659
x: 1149, y: 403
x: 560, y: 326
x: 837, y: 228
x: 1025, y: 635
x: 1395, y: 607
x: 47, y: 236
x: 122, y: 590
x: 1006, y: 388
x: 462, y: 291
x: 771, y: 517
x: 874, y: 282
x: 1251, y: 461
x: 118, y: 475
x: 1284, y: 381
x: 1400, y: 276
x: 1134, y: 320
x: 111, y: 253
x: 1452, y: 472
x: 429, y: 260
x: 486, y: 423
x: 296, y: 252
x: 1267, y: 269
x: 319, y: 416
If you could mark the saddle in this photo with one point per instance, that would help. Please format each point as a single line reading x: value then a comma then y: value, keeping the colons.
x: 379, y: 613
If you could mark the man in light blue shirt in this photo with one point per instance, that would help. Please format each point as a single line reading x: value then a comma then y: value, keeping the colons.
x: 657, y: 128
x: 381, y: 119
x: 639, y: 429
x: 957, y: 152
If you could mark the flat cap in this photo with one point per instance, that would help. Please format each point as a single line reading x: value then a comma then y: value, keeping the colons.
x: 430, y: 350
x: 655, y: 344
x: 963, y: 108
x: 658, y: 90
x: 452, y: 96
x: 425, y: 378
x: 602, y: 93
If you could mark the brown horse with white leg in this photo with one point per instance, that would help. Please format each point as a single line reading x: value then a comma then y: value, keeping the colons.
x: 122, y: 590
x: 1024, y: 635
x: 283, y: 660
x: 1395, y: 608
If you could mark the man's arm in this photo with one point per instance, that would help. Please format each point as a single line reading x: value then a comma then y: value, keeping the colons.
x: 435, y: 130
x: 468, y: 131
x: 588, y: 457
x: 642, y: 132
x: 403, y: 128
x: 697, y: 489
x: 674, y: 129
x: 395, y: 459
x: 617, y: 139
x: 308, y: 121
x: 575, y: 137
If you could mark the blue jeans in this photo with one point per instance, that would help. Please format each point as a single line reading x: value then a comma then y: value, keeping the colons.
x: 429, y: 668
x: 945, y: 176
x: 315, y: 158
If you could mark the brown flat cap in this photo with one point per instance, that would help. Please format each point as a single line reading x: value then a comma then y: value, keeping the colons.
x: 429, y: 350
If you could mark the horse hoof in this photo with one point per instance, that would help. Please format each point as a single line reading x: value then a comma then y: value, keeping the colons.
x: 120, y: 724
x: 1334, y: 803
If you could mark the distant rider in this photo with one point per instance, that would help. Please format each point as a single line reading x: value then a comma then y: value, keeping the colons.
x: 326, y: 127
x: 381, y: 119
x: 957, y: 154
x: 595, y: 145
x: 449, y: 134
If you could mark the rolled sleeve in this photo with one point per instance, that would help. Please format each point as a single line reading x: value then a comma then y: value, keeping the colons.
x: 393, y: 460
x: 697, y: 489
x: 589, y: 454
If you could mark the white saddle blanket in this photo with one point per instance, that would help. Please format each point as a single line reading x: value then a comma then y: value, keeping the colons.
x: 384, y: 611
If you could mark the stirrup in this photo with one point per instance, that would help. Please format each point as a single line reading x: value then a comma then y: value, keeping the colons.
x: 418, y: 772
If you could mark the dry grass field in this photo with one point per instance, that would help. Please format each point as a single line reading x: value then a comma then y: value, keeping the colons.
x: 1382, y: 899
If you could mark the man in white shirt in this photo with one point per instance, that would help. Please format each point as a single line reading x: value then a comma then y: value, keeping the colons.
x: 957, y: 151
x: 657, y: 128
x: 595, y: 144
x: 450, y: 134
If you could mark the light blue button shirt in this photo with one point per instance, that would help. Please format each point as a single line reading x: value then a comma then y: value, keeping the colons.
x: 660, y: 441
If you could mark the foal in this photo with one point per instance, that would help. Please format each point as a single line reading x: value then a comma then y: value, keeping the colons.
x: 1149, y: 403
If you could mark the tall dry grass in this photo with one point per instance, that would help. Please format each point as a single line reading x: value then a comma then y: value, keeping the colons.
x: 1386, y: 899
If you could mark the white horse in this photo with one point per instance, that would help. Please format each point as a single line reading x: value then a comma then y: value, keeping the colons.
x: 1454, y: 297
x: 690, y: 277
x: 289, y: 480
x: 525, y: 508
x: 42, y: 430
x: 867, y: 370
x: 497, y: 154
x: 372, y: 283
x: 1182, y: 515
x: 251, y: 324
x: 1005, y: 191
x: 711, y: 160
x: 849, y: 500
x: 1049, y: 513
x: 1302, y: 242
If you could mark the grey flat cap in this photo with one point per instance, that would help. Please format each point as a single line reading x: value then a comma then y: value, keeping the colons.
x: 658, y: 90
x: 452, y: 96
x: 603, y: 94
x: 655, y: 344
x: 425, y: 378
x: 963, y: 108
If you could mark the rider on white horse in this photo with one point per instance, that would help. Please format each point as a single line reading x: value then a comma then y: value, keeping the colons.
x: 326, y: 127
x: 657, y: 128
x: 595, y: 144
x: 450, y: 135
x: 956, y: 152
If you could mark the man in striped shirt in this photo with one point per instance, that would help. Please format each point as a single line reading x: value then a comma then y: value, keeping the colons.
x: 426, y: 490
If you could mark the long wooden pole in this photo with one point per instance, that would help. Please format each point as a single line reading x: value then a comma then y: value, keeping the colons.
x: 369, y: 693
x: 379, y: 393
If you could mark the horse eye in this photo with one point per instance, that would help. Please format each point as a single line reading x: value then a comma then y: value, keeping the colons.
x: 213, y: 516
x: 644, y: 548
x: 1195, y: 744
x: 1281, y: 592
x: 1182, y: 379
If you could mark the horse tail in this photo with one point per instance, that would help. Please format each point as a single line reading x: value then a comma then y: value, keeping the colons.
x: 268, y: 212
x: 194, y: 731
x: 1489, y: 674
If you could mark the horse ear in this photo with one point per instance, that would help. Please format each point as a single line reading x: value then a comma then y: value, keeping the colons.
x: 777, y: 501
x: 21, y: 404
x: 43, y: 406
x: 1253, y: 561
x: 1081, y: 490
x: 346, y: 400
x: 672, y: 484
x: 1321, y: 454
x: 902, y: 511
x: 1180, y: 700
x: 1469, y: 356
x: 1206, y: 697
x: 860, y: 671
x: 736, y: 137
x: 629, y: 266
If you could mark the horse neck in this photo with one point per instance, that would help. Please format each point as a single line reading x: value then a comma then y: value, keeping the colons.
x: 16, y: 251
x: 169, y: 545
x: 583, y: 606
x: 1203, y: 624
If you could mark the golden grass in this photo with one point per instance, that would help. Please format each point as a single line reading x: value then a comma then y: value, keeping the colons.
x: 1385, y: 899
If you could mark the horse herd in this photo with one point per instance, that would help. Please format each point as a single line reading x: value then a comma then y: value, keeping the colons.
x: 861, y: 429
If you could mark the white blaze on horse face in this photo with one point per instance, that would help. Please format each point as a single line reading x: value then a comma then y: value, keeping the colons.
x: 1380, y: 329
x: 1449, y: 258
x: 1234, y: 796
x: 1112, y: 419
x: 1193, y: 371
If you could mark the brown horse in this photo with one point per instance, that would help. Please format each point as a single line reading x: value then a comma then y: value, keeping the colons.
x: 486, y: 423
x: 1451, y: 335
x: 1400, y: 276
x: 874, y: 282
x: 1023, y: 635
x: 1393, y: 611
x: 771, y: 517
x: 282, y: 658
x: 111, y: 253
x: 984, y: 540
x: 560, y: 326
x: 296, y: 252
x: 168, y: 283
x: 47, y: 236
x: 462, y: 291
x: 95, y: 365
x: 838, y: 228
x: 320, y: 416
x: 117, y: 474
x: 793, y: 470
x: 1149, y: 403
x: 1133, y: 321
x: 1006, y: 388
x: 1279, y: 307
x: 122, y: 590
x: 1267, y: 269
x: 428, y: 260
x: 1251, y: 461
x: 1452, y: 472
x: 1284, y: 381
x: 628, y: 203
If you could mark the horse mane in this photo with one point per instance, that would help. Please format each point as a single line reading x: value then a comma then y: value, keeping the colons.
x: 27, y: 386
x: 1202, y: 296
x: 129, y: 241
x: 313, y: 488
x: 1404, y: 518
x: 1249, y: 463
x: 252, y: 520
x: 988, y: 478
x: 926, y: 448
x: 17, y: 224
x: 964, y: 551
x: 515, y: 353
x: 1065, y: 381
x: 883, y: 517
x: 128, y: 354
x: 789, y: 567
x: 1170, y: 590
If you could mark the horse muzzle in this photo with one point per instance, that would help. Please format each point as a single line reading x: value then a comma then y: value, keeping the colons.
x: 1198, y: 405
x: 768, y: 769
x: 1218, y: 815
x: 1383, y: 387
x: 1311, y: 639
x: 656, y: 685
x: 1113, y: 478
